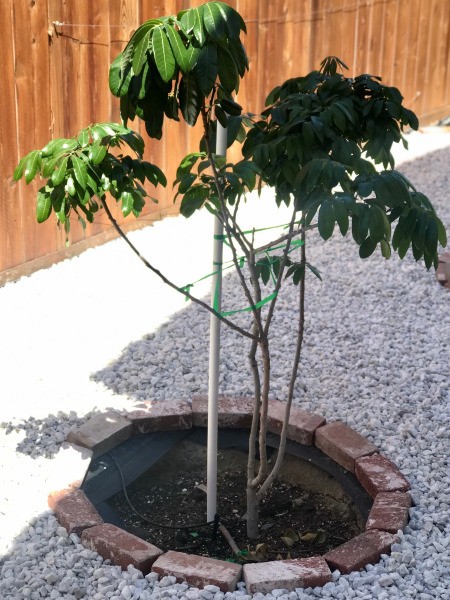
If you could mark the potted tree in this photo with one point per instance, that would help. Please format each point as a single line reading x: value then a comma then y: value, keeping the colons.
x: 323, y: 143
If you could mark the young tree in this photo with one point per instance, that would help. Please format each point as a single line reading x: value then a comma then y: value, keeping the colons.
x: 323, y: 144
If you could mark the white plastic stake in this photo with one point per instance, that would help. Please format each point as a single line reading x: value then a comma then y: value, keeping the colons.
x: 214, y: 352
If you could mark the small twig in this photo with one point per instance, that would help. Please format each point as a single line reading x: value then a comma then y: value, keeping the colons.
x: 227, y: 535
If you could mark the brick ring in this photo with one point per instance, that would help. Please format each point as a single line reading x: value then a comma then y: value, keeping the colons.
x: 379, y: 477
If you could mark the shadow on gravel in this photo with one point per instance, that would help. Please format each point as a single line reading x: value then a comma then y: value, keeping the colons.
x: 172, y: 362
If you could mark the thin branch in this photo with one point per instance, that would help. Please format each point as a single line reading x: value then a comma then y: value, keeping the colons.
x: 251, y: 460
x: 280, y: 275
x: 284, y: 238
x: 300, y: 333
x: 170, y: 283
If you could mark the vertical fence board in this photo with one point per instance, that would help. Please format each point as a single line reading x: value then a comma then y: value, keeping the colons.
x: 12, y: 251
x: 55, y: 56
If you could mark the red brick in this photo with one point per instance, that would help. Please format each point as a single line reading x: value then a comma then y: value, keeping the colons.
x: 302, y: 425
x: 343, y: 444
x: 389, y: 512
x: 443, y: 274
x: 170, y: 415
x: 102, y: 432
x: 120, y: 547
x: 378, y: 474
x: 75, y: 512
x: 286, y: 574
x: 233, y: 412
x: 198, y: 570
x: 360, y: 551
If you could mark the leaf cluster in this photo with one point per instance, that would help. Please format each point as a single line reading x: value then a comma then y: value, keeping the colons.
x: 319, y: 143
x: 78, y: 170
x: 172, y: 64
x: 198, y: 189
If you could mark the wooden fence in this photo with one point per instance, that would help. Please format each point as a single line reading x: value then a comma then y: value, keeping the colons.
x: 55, y: 56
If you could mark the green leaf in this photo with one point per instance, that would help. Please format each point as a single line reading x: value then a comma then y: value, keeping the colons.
x: 59, y: 173
x: 442, y: 235
x: 199, y: 32
x: 308, y: 134
x: 140, y: 53
x: 314, y: 270
x: 227, y: 71
x: 187, y: 20
x: 233, y: 20
x: 192, y: 56
x: 18, y: 171
x: 431, y: 237
x: 385, y: 249
x: 186, y: 181
x: 164, y: 58
x: 213, y: 20
x: 221, y: 116
x: 190, y: 99
x: 341, y: 216
x: 127, y: 203
x: 178, y: 48
x: 376, y: 224
x: 299, y: 273
x: 53, y: 147
x: 80, y: 171
x: 326, y: 219
x: 48, y: 165
x: 193, y: 200
x: 367, y: 247
x: 154, y: 174
x: 364, y: 223
x: 32, y: 165
x: 97, y: 153
x: 231, y: 107
x: 68, y: 145
x: 83, y: 137
x: 419, y: 233
x: 70, y: 186
x: 206, y: 69
x: 44, y: 206
x: 240, y: 57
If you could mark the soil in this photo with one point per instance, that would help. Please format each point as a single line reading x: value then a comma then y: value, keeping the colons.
x: 295, y: 522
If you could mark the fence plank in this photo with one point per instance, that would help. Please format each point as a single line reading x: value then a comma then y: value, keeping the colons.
x: 55, y: 57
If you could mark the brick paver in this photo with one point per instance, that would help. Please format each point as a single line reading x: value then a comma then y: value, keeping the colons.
x: 360, y: 551
x: 198, y: 570
x: 75, y: 512
x: 233, y: 412
x: 120, y: 547
x: 302, y: 424
x: 168, y: 415
x: 378, y: 474
x: 102, y: 432
x: 389, y: 512
x: 286, y: 574
x: 343, y: 444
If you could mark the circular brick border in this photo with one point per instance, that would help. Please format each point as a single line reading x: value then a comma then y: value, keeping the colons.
x: 381, y: 479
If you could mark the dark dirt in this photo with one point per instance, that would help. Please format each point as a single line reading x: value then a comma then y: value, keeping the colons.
x: 294, y: 522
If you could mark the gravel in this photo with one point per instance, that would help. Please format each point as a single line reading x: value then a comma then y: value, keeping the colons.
x: 99, y: 332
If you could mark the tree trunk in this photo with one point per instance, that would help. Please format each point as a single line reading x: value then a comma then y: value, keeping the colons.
x: 252, y: 513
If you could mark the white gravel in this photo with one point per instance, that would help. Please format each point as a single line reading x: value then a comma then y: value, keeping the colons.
x: 100, y: 331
